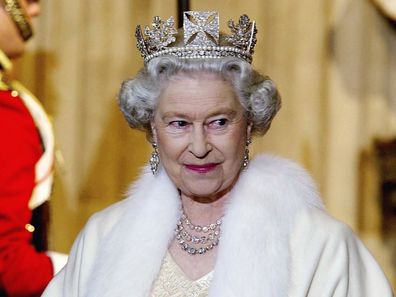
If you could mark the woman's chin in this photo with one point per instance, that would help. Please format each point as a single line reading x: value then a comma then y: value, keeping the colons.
x: 204, y: 187
x: 204, y: 192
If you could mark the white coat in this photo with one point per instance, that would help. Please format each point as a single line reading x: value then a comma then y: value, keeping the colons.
x: 277, y: 240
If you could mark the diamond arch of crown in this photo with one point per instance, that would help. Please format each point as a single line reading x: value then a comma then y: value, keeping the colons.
x: 201, y: 38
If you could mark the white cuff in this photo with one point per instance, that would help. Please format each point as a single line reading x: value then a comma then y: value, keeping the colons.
x: 58, y: 260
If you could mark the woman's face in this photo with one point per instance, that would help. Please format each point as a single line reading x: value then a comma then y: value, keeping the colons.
x: 201, y: 132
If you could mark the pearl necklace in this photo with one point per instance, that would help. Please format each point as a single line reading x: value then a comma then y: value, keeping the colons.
x: 205, y: 239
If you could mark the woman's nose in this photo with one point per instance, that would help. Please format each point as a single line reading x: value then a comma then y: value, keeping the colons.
x: 33, y: 9
x: 199, y: 145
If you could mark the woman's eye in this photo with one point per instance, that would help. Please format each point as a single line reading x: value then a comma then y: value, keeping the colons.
x: 218, y: 123
x: 178, y: 124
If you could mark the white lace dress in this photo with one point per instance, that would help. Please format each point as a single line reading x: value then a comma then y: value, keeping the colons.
x: 172, y: 281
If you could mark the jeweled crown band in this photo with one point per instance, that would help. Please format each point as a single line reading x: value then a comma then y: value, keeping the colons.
x: 202, y: 52
x: 201, y: 38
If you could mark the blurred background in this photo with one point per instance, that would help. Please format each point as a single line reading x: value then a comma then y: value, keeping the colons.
x: 334, y: 62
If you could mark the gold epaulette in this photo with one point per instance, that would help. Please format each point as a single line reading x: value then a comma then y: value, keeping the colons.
x: 5, y: 65
x: 3, y: 85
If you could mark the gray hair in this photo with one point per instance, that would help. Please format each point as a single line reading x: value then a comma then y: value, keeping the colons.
x: 258, y: 94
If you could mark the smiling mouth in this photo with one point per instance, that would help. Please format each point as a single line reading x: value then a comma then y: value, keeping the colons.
x: 202, y: 168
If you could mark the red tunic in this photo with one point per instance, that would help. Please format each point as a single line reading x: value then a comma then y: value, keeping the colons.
x: 23, y: 270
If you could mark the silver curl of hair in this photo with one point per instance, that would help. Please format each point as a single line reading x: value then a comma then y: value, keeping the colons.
x: 258, y: 94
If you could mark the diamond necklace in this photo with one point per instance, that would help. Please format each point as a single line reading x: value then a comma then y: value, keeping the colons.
x: 205, y: 239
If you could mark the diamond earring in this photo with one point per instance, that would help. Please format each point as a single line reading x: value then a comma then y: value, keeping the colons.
x: 154, y: 159
x: 246, y: 155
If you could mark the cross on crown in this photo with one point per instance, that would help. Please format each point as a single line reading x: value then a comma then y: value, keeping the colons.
x: 201, y: 38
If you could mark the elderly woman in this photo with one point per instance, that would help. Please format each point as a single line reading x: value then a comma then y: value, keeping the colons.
x: 206, y: 221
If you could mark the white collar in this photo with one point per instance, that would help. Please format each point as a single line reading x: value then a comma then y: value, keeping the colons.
x: 253, y: 255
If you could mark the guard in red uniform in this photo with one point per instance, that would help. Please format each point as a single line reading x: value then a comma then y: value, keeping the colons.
x: 26, y: 167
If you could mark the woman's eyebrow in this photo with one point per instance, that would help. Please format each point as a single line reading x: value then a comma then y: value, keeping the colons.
x: 226, y: 111
x: 175, y: 114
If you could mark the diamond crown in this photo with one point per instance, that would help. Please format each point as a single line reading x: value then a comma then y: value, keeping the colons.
x: 201, y: 38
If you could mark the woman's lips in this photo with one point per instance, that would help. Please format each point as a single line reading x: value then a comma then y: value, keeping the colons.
x: 201, y: 168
